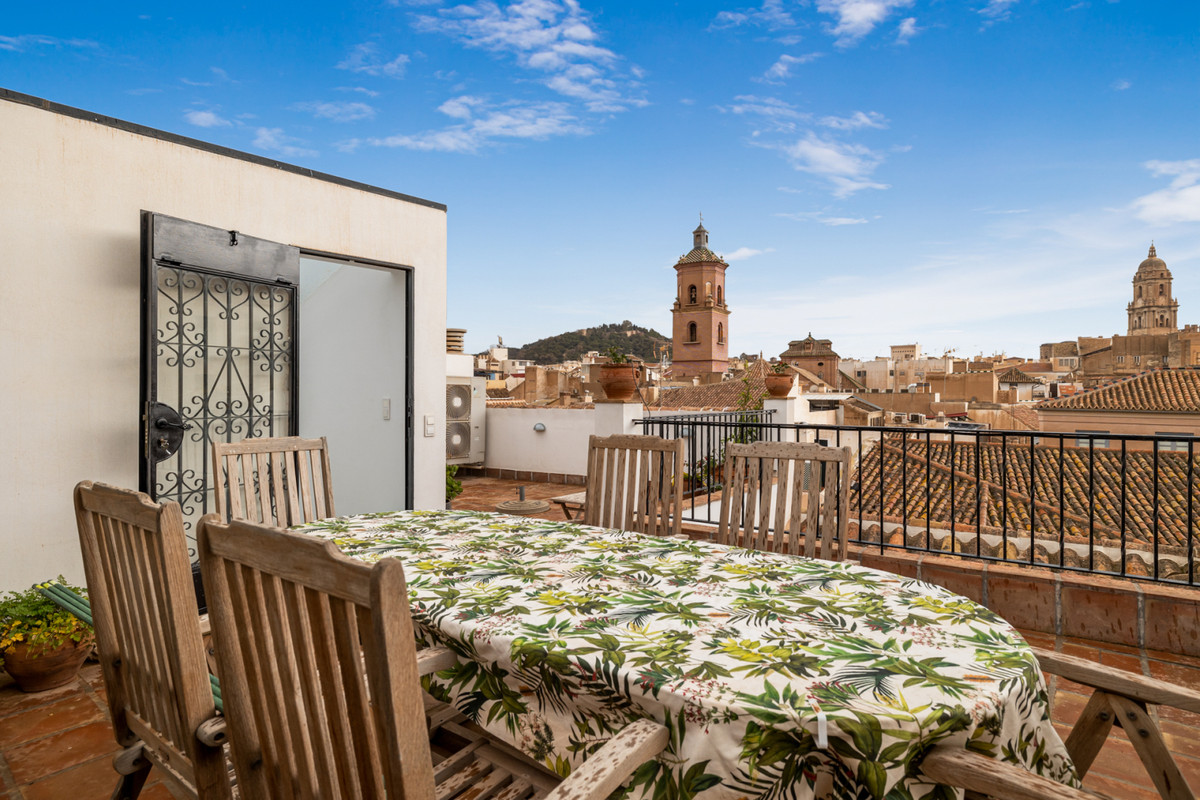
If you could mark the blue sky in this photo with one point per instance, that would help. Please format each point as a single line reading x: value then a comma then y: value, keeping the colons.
x: 983, y: 175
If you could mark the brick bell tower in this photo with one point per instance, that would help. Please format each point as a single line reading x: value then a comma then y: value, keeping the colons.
x: 700, y: 330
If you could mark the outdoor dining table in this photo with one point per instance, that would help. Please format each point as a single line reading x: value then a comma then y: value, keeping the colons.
x: 777, y: 676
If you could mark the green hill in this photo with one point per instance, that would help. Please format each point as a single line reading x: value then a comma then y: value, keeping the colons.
x: 571, y: 346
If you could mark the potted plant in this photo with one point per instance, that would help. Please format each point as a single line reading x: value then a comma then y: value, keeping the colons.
x: 454, y: 486
x: 779, y: 380
x: 41, y: 645
x: 617, y: 377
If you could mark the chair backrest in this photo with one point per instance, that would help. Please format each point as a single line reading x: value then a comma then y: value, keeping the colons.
x: 635, y: 483
x: 148, y: 632
x: 797, y: 492
x: 295, y: 622
x: 277, y: 481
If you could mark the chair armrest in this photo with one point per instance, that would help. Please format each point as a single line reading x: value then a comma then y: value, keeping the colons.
x: 1114, y: 681
x: 614, y: 763
x: 435, y: 659
x: 975, y: 772
x: 212, y: 732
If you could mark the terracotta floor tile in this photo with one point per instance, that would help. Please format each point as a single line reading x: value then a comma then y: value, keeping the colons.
x: 14, y: 701
x: 51, y: 754
x: 92, y: 779
x: 70, y: 712
x: 159, y: 791
x: 1124, y: 790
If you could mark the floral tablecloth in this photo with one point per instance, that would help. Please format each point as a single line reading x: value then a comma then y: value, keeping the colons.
x: 777, y: 676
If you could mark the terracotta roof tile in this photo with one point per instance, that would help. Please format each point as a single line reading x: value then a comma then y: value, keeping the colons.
x: 700, y: 254
x: 1014, y: 375
x: 723, y: 396
x: 1160, y: 390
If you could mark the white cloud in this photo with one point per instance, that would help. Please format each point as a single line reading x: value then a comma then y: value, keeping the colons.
x: 857, y: 18
x: 274, y: 140
x: 742, y: 253
x: 205, y: 119
x: 482, y: 124
x: 1121, y: 85
x: 552, y: 37
x: 338, y: 112
x: 781, y: 70
x: 859, y: 119
x: 906, y: 30
x: 1179, y: 202
x: 29, y: 41
x: 769, y: 15
x: 824, y: 219
x: 366, y: 59
x: 996, y: 10
x: 847, y: 167
x: 779, y: 114
x: 358, y: 89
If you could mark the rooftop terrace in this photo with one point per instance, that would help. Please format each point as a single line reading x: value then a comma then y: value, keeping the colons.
x: 59, y: 744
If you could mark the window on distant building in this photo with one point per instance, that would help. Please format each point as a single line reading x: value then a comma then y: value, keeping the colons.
x: 720, y: 296
x: 692, y: 294
x: 720, y: 333
x: 692, y: 337
x: 862, y: 373
x: 1092, y: 439
x: 1120, y: 359
x: 1161, y: 291
x: 1177, y: 442
x: 1137, y: 360
x: 1139, y: 292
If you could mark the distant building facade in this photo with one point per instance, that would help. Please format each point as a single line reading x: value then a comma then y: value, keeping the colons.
x: 816, y: 356
x: 700, y: 317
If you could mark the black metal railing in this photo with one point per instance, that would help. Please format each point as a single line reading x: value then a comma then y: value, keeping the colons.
x: 1117, y: 504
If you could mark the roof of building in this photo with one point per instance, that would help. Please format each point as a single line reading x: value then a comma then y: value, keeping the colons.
x: 728, y: 395
x: 1014, y: 375
x: 497, y: 393
x: 1160, y: 390
x: 701, y: 254
x: 1116, y: 507
x: 1152, y: 267
x: 1026, y: 418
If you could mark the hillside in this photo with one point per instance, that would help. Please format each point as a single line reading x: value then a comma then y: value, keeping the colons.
x: 570, y: 346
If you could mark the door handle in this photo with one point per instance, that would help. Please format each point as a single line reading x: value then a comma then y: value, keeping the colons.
x: 172, y: 424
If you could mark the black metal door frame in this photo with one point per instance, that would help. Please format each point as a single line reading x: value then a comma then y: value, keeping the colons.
x: 178, y: 244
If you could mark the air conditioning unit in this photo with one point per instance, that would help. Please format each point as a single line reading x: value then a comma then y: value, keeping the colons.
x: 898, y: 417
x: 919, y: 419
x: 466, y: 404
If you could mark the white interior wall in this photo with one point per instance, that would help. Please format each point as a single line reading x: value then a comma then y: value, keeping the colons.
x: 70, y: 198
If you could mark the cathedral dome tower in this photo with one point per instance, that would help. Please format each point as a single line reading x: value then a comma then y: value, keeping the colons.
x: 1153, y: 310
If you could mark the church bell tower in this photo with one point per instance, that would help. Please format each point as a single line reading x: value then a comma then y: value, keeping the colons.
x: 700, y: 328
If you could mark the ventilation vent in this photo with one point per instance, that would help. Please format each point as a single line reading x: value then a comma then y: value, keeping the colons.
x: 458, y: 439
x: 458, y: 401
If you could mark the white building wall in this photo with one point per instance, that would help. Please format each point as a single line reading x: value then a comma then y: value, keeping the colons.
x: 512, y: 442
x: 70, y: 199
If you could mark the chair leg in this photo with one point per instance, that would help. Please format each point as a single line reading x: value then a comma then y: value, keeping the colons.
x: 130, y: 785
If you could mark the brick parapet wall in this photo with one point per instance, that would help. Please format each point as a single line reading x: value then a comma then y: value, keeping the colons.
x: 1085, y: 605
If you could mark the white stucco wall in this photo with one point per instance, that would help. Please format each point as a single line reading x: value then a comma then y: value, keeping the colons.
x: 70, y: 195
x: 512, y: 443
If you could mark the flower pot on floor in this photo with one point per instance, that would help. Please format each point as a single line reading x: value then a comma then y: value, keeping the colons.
x: 45, y: 669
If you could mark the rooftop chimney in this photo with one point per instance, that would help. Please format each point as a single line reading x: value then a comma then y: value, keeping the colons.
x: 454, y: 339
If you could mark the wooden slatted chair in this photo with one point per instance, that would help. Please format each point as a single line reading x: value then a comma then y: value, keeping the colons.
x: 295, y: 623
x: 277, y: 481
x: 635, y: 483
x: 148, y: 637
x: 1124, y: 698
x: 798, y: 492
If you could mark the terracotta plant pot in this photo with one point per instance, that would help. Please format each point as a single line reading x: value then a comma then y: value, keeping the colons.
x: 618, y: 381
x: 49, y: 669
x: 779, y: 385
